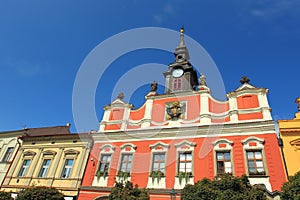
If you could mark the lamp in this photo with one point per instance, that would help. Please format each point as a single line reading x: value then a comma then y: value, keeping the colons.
x: 173, y: 194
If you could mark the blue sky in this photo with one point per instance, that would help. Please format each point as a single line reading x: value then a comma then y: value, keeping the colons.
x: 43, y: 44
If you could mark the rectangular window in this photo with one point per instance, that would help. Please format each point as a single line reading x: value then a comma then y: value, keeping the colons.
x: 8, y: 154
x: 223, y: 162
x: 177, y: 84
x: 45, y: 167
x: 24, y: 168
x: 158, y: 163
x: 255, y: 163
x: 185, y: 162
x: 67, y: 168
x: 104, y: 163
x: 126, y: 163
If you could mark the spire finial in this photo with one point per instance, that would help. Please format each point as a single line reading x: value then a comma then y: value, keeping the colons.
x: 182, y: 29
x: 182, y: 37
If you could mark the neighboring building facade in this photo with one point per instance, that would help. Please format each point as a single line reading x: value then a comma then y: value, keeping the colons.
x: 51, y: 157
x: 184, y: 135
x: 289, y: 131
x: 9, y: 145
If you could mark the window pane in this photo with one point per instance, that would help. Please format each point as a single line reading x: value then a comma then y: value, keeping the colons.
x: 250, y: 155
x: 219, y: 156
x: 189, y: 156
x: 128, y: 167
x: 156, y: 157
x: 258, y: 155
x: 260, y: 169
x: 227, y: 156
x: 259, y: 163
x: 228, y: 170
x: 228, y: 164
x: 182, y: 165
x: 130, y: 157
x: 181, y: 157
x: 189, y: 165
x: 162, y: 165
x: 155, y: 166
x: 251, y: 163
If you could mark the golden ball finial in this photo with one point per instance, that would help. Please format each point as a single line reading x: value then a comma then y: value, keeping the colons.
x: 182, y: 30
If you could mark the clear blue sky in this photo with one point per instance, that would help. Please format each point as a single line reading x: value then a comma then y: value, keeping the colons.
x: 43, y: 44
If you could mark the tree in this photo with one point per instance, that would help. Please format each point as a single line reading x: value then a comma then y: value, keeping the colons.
x: 5, y: 196
x: 225, y: 187
x: 291, y: 189
x: 126, y: 191
x: 40, y: 193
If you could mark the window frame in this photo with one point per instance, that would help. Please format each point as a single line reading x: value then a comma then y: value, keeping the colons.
x: 185, y: 161
x: 106, y: 166
x: 69, y: 154
x: 8, y: 154
x: 223, y: 160
x: 185, y: 147
x: 220, y: 146
x: 158, y: 148
x: 177, y: 84
x: 254, y: 144
x: 255, y: 161
x: 24, y: 168
x: 106, y: 149
x: 126, y: 149
x: 44, y: 169
x: 65, y: 168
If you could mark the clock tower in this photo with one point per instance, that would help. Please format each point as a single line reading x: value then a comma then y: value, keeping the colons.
x: 180, y: 76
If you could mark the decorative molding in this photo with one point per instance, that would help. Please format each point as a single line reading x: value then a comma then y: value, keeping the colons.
x: 153, y: 146
x: 107, y: 146
x: 126, y: 145
x: 254, y: 139
x: 219, y: 141
x: 185, y: 142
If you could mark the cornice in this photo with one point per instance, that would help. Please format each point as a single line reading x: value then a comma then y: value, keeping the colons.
x: 191, y: 131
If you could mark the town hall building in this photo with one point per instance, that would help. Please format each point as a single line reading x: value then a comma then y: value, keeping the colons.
x: 183, y: 136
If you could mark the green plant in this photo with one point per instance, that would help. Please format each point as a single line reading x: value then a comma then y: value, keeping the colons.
x: 103, y: 174
x: 40, y: 193
x: 126, y: 191
x: 184, y: 175
x: 123, y: 175
x: 5, y: 195
x: 156, y: 175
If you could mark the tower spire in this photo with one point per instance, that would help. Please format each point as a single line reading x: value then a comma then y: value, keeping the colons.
x: 181, y: 52
x: 181, y: 37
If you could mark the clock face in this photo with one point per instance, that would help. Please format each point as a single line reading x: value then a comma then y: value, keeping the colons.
x: 177, y: 73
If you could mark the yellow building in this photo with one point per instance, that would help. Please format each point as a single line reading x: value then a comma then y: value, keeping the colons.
x: 51, y: 157
x: 289, y: 131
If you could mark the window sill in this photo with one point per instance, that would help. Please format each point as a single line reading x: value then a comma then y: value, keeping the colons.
x: 257, y: 176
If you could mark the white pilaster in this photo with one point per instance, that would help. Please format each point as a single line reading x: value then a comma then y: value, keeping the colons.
x: 233, y: 110
x: 148, y: 111
x: 204, y: 109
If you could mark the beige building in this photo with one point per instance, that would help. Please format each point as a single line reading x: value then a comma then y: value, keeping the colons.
x: 51, y: 157
x: 289, y: 131
x: 9, y: 145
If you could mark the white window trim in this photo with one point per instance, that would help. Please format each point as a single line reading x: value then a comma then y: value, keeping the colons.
x: 158, y: 148
x: 259, y: 147
x: 228, y: 148
x: 189, y: 147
